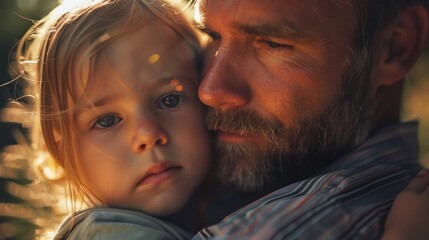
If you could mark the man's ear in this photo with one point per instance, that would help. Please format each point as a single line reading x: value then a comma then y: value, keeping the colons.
x: 400, y: 45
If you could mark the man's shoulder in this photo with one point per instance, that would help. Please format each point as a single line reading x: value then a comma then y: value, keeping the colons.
x: 343, y: 204
x: 112, y: 223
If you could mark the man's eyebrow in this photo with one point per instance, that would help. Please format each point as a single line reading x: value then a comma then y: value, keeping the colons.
x: 276, y: 30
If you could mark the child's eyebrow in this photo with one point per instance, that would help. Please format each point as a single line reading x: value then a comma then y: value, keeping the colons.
x: 184, y: 78
x: 103, y: 101
x: 97, y: 103
x: 177, y: 79
x: 173, y: 81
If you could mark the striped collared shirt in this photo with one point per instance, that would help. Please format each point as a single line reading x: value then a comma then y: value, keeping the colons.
x: 349, y: 201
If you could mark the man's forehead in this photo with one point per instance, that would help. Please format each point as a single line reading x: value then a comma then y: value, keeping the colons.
x: 203, y: 4
x: 235, y: 5
x: 297, y: 13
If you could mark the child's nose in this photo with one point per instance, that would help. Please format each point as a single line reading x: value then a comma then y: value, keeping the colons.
x: 148, y: 135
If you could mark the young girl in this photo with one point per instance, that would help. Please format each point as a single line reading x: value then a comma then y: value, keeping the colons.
x: 116, y: 88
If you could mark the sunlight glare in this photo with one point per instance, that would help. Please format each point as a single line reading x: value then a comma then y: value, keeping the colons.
x: 65, y: 5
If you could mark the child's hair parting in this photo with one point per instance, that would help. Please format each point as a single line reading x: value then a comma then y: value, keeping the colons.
x: 51, y: 56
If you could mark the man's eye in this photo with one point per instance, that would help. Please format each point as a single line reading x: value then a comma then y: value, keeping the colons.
x: 169, y: 101
x: 272, y: 44
x: 275, y: 46
x: 106, y: 121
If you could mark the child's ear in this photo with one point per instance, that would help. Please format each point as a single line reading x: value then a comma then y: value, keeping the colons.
x: 57, y: 136
x: 400, y: 45
x: 58, y: 140
x: 47, y: 166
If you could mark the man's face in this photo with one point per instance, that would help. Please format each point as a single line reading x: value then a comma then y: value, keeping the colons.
x: 277, y: 76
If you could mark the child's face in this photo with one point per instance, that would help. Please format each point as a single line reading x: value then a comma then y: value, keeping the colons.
x: 140, y: 140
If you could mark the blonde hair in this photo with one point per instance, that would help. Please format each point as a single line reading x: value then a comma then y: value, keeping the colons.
x: 51, y: 53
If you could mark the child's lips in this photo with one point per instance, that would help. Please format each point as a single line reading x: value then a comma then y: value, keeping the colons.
x: 158, y: 173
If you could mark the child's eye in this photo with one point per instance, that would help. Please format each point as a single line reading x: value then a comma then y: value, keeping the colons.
x: 106, y: 121
x: 170, y: 100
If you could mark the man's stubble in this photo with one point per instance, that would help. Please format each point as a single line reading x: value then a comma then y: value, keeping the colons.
x: 299, y: 150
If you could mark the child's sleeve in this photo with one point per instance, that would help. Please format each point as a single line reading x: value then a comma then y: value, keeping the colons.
x: 109, y: 223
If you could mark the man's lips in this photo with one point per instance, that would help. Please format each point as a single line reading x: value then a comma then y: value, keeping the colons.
x: 158, y: 173
x: 228, y: 136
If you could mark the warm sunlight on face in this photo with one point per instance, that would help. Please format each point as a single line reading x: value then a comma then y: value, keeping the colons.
x: 140, y: 140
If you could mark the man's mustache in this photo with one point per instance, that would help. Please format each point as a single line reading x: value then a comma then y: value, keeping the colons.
x: 244, y: 122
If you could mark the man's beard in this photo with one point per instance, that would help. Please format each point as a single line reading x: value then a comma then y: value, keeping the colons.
x: 294, y: 152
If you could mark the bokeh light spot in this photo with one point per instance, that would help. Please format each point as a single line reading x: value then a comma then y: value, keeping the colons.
x: 179, y: 88
x: 174, y: 82
x: 154, y: 58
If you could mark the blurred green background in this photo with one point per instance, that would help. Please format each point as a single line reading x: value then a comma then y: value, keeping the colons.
x: 19, y: 210
x: 24, y: 201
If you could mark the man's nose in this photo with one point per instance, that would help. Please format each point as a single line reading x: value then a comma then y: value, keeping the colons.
x: 223, y: 85
x: 147, y: 135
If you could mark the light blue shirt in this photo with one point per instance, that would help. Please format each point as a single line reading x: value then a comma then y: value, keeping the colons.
x: 117, y: 224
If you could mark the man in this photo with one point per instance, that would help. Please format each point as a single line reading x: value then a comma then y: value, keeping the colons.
x: 305, y: 97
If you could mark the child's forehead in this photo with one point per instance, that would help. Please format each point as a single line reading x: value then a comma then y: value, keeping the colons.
x: 155, y: 49
x: 151, y: 41
x: 147, y: 57
x: 149, y: 37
